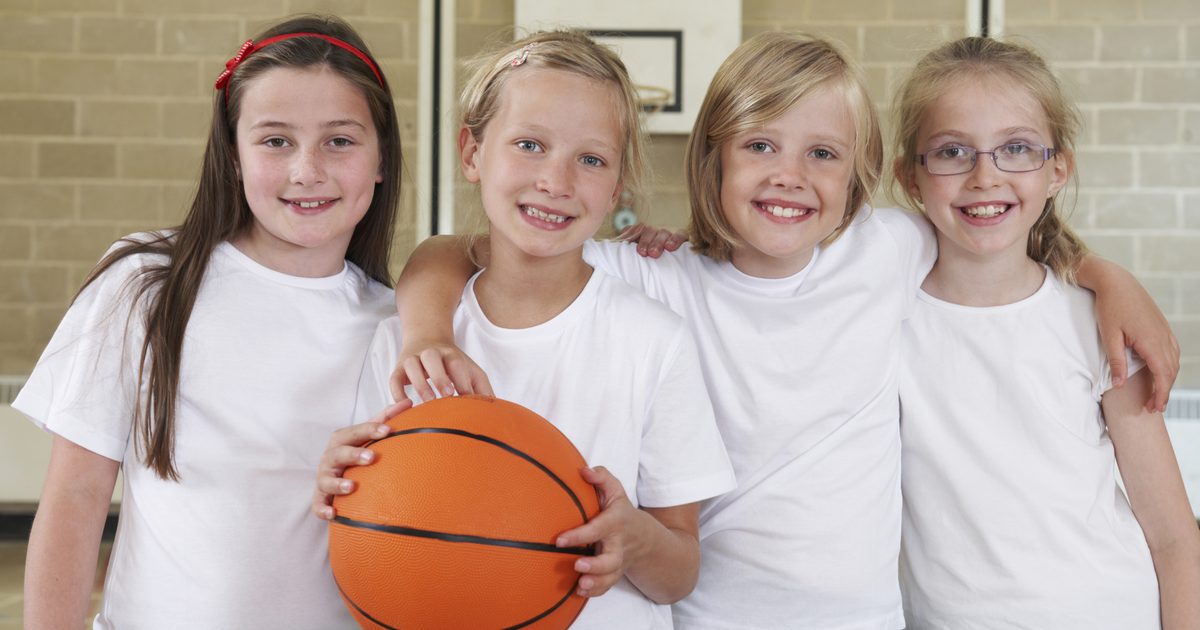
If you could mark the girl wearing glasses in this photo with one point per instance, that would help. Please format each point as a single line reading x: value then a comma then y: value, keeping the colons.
x: 1013, y: 517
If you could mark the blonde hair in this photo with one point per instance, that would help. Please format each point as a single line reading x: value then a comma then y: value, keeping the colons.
x: 570, y: 51
x: 759, y: 82
x: 1051, y: 241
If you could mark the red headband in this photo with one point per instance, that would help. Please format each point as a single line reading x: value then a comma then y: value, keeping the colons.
x: 249, y: 48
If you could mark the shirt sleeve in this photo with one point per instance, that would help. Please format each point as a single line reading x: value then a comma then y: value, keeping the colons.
x: 683, y: 459
x: 374, y: 392
x: 84, y: 387
x: 916, y: 246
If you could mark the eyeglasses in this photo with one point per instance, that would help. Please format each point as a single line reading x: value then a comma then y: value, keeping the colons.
x: 1015, y: 157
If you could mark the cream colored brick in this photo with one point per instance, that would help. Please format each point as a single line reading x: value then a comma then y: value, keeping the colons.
x: 77, y: 159
x: 878, y: 82
x: 1058, y: 43
x: 395, y: 8
x: 14, y: 324
x: 178, y: 8
x: 1191, y: 127
x: 16, y: 73
x: 249, y: 7
x: 495, y: 10
x: 177, y: 200
x: 117, y: 35
x: 1099, y: 84
x: 1193, y: 43
x: 472, y: 38
x: 1170, y: 168
x: 1165, y: 292
x: 44, y: 321
x: 121, y: 119
x: 1138, y: 42
x: 90, y: 6
x: 1171, y: 85
x: 1136, y: 211
x: 201, y: 36
x: 846, y: 38
x: 157, y: 77
x: 16, y: 242
x: 898, y: 43
x: 1191, y: 211
x: 161, y: 161
x: 1169, y: 254
x: 667, y: 209
x: 37, y: 117
x: 186, y: 119
x: 388, y: 39
x: 930, y: 10
x: 750, y: 29
x: 28, y: 283
x: 344, y: 8
x: 19, y: 359
x: 82, y: 243
x: 1100, y: 10
x: 1019, y: 11
x: 859, y: 10
x: 37, y: 200
x: 774, y: 10
x: 666, y: 160
x: 402, y: 77
x: 1118, y: 249
x: 1171, y: 9
x: 16, y: 158
x: 1189, y: 373
x: 76, y: 77
x: 36, y: 33
x: 15, y: 6
x: 1189, y: 292
x: 121, y: 202
x: 1106, y: 169
x: 1138, y: 126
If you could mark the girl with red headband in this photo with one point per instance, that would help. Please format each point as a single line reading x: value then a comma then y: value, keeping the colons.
x: 202, y: 361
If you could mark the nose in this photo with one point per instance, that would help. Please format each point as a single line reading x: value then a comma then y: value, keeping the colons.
x: 307, y: 167
x: 555, y: 177
x: 789, y: 172
x: 985, y: 174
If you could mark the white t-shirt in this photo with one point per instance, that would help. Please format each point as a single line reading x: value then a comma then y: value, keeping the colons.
x: 802, y: 372
x: 1012, y: 514
x: 270, y: 367
x: 617, y: 373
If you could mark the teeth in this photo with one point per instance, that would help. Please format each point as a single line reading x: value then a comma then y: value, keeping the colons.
x: 785, y: 213
x: 985, y: 211
x: 538, y: 214
x: 309, y: 204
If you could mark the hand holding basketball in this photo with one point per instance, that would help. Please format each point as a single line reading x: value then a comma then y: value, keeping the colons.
x: 440, y: 363
x: 616, y: 531
x: 344, y: 450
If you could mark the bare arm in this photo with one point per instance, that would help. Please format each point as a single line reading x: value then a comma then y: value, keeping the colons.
x: 427, y: 292
x: 1158, y: 498
x: 1128, y: 316
x: 64, y: 544
x: 658, y: 549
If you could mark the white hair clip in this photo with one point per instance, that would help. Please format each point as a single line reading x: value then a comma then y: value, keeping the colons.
x: 521, y: 56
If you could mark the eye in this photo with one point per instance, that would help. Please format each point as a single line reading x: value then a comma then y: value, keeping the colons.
x: 823, y: 154
x: 759, y: 146
x: 275, y: 142
x: 952, y: 153
x: 529, y: 145
x: 592, y: 160
x: 342, y: 142
x: 1016, y: 148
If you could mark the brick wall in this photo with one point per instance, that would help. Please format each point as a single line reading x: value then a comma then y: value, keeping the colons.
x: 104, y: 108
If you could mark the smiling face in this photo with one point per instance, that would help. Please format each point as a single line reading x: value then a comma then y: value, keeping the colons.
x: 985, y: 212
x: 308, y: 158
x: 784, y: 185
x: 549, y: 163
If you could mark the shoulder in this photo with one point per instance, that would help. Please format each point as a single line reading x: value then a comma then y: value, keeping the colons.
x: 633, y: 305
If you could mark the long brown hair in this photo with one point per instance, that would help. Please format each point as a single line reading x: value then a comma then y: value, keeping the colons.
x: 219, y: 211
x: 760, y: 81
x: 1051, y: 241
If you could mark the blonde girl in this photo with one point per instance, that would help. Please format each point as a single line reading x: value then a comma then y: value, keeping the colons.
x: 202, y: 361
x: 1011, y: 426
x: 794, y: 291
x: 550, y: 134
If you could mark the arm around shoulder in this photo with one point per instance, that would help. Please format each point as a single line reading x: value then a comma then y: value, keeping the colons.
x: 1158, y: 498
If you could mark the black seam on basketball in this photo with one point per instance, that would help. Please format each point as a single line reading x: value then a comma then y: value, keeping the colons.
x: 461, y: 538
x: 494, y: 442
x: 362, y: 612
x: 549, y: 610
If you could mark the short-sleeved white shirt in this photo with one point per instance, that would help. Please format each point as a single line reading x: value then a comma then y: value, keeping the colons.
x: 270, y: 367
x: 802, y: 372
x: 617, y: 373
x: 1012, y: 513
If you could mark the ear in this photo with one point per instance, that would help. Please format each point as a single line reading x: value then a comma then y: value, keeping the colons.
x: 905, y: 175
x: 468, y: 155
x: 620, y: 188
x: 1064, y: 165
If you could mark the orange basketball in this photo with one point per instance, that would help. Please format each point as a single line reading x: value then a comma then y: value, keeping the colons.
x: 453, y: 525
